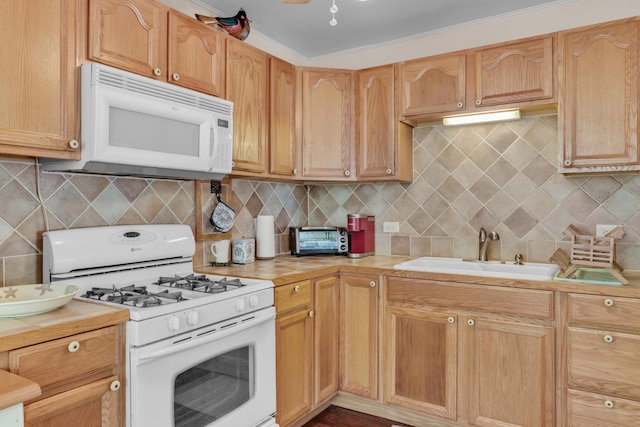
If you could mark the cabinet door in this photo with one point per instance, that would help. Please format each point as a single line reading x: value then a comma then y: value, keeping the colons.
x: 511, y: 369
x: 359, y: 335
x: 196, y: 55
x: 598, y: 109
x: 327, y: 123
x: 294, y: 362
x: 94, y: 405
x: 326, y: 336
x: 39, y: 98
x: 433, y: 85
x: 421, y: 361
x: 129, y: 34
x: 515, y: 72
x: 282, y: 140
x: 247, y: 82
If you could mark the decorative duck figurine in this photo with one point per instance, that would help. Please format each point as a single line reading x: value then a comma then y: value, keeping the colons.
x: 237, y: 26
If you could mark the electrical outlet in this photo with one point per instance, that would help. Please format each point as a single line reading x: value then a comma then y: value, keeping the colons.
x: 390, y: 227
x: 603, y: 229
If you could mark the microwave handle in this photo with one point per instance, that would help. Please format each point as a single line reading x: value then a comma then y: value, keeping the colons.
x: 187, y: 345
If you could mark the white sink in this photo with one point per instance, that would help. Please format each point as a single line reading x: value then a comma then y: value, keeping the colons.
x: 507, y: 270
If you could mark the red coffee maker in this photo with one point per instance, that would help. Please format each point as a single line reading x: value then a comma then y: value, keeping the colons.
x: 361, y: 228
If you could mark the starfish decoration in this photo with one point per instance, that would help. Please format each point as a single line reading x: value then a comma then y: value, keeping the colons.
x: 45, y: 287
x: 11, y: 292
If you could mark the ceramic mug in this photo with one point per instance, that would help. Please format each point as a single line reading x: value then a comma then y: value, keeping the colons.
x: 220, y: 251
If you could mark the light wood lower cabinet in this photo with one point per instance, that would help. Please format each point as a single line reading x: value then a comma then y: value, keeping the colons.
x: 307, y: 325
x: 479, y: 368
x: 81, y: 377
x: 359, y: 299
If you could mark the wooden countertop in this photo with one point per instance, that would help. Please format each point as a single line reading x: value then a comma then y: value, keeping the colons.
x: 286, y: 269
x: 73, y: 318
x: 15, y: 389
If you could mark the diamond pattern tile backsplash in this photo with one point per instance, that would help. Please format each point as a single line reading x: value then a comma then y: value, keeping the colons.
x: 500, y: 176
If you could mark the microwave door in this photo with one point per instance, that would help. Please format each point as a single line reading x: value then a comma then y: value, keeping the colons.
x: 140, y: 131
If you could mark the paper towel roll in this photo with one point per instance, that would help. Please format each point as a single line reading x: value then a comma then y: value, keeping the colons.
x: 265, y: 237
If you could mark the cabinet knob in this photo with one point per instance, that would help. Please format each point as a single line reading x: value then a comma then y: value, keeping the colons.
x: 157, y: 72
x: 175, y: 76
x: 608, y: 404
x: 347, y: 173
x: 471, y: 322
x: 389, y: 171
x: 608, y: 302
x: 295, y: 171
x: 311, y: 313
x: 608, y: 338
x: 233, y: 164
x: 567, y: 162
x: 478, y: 102
x: 451, y: 319
x: 296, y: 288
x: 372, y: 283
x: 74, y: 346
x: 74, y: 144
x: 459, y: 105
x: 115, y: 386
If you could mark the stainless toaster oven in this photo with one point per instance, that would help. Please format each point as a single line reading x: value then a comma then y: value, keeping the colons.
x: 318, y: 240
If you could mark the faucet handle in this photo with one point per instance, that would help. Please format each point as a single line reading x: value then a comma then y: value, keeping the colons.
x: 483, y: 235
x: 518, y: 260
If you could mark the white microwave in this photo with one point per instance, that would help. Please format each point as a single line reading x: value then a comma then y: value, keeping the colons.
x: 135, y: 125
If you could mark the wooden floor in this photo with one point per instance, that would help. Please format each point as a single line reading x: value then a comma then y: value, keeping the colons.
x: 334, y: 416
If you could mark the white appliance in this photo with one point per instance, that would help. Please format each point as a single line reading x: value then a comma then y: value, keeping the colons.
x: 136, y: 125
x: 201, y: 348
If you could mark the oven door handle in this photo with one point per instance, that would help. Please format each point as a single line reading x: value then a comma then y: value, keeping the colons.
x: 214, y: 336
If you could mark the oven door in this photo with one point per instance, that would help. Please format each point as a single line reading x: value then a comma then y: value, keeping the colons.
x: 217, y: 376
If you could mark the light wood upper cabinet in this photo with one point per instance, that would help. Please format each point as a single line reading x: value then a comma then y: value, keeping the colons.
x: 282, y: 120
x: 129, y: 34
x: 196, y: 55
x: 248, y: 89
x: 515, y: 72
x: 433, y: 85
x: 39, y: 87
x: 327, y: 123
x: 149, y: 39
x: 359, y: 299
x: 598, y: 108
x: 384, y: 144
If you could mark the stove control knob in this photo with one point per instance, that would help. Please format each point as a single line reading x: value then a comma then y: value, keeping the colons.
x: 173, y: 323
x: 192, y: 318
x: 253, y: 301
x: 240, y: 304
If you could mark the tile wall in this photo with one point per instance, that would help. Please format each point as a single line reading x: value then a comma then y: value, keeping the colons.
x: 501, y: 177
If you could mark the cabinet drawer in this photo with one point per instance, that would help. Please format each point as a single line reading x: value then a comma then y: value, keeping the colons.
x: 606, y: 362
x: 595, y: 410
x: 493, y: 299
x: 68, y: 362
x: 609, y: 312
x: 292, y: 296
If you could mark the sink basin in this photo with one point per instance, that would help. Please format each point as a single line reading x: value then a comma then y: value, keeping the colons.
x: 526, y: 271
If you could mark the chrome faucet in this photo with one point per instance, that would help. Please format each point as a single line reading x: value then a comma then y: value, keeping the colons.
x: 484, y: 239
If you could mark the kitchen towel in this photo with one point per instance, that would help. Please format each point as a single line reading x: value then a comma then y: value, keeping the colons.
x: 265, y: 237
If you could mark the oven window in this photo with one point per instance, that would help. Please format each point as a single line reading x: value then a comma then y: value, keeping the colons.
x: 213, y: 388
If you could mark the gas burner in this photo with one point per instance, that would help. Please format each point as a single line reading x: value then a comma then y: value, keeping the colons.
x: 199, y: 283
x: 183, y: 282
x: 132, y: 295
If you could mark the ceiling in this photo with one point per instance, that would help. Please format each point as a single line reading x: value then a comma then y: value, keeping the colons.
x: 304, y: 29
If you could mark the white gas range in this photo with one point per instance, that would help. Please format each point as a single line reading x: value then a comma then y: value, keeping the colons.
x: 201, y: 348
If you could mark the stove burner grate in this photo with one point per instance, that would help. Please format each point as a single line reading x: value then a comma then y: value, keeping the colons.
x: 199, y: 283
x: 133, y: 295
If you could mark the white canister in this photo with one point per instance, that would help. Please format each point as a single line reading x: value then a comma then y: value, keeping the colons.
x: 243, y: 251
x: 265, y: 237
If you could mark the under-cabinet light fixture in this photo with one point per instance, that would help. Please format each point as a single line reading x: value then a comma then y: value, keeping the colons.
x: 493, y: 116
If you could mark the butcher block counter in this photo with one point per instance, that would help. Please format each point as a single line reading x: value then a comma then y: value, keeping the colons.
x: 286, y: 269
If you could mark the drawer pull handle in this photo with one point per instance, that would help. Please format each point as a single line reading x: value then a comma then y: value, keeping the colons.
x: 372, y: 284
x: 311, y: 313
x: 471, y: 322
x: 115, y: 386
x: 451, y: 319
x: 608, y: 404
x: 74, y: 346
x: 296, y: 288
x: 608, y: 302
x: 608, y: 338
